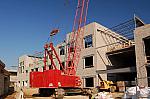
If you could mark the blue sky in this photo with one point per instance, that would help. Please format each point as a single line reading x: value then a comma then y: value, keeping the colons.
x: 25, y: 24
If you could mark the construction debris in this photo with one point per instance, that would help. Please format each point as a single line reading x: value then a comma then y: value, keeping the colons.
x: 135, y: 92
x: 104, y: 95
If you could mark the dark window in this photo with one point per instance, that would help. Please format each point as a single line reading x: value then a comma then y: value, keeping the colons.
x: 43, y: 68
x: 50, y: 67
x: 62, y: 50
x: 88, y: 61
x: 89, y: 82
x: 23, y: 63
x: 63, y: 63
x: 32, y: 70
x: 23, y: 83
x: 13, y: 73
x: 88, y: 41
x: 71, y: 47
x: 2, y: 71
x: 26, y: 71
x: 147, y: 48
x: 36, y: 69
x: 69, y: 64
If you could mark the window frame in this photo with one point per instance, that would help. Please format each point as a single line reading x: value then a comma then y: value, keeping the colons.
x: 62, y: 50
x: 36, y: 69
x: 90, y: 66
x: 27, y: 71
x: 86, y: 83
x: 63, y: 63
x: 86, y: 43
x: 32, y: 70
x: 71, y: 47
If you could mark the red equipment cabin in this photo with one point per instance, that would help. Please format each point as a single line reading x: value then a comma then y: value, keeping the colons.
x: 65, y: 78
x: 53, y: 78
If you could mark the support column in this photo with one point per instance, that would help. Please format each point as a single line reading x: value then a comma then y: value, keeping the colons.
x: 140, y: 33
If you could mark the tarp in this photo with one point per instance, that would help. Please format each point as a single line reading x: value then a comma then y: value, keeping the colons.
x: 133, y: 92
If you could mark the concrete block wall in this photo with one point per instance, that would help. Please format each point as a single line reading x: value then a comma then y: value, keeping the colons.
x: 98, y: 62
x: 29, y: 63
x: 141, y: 33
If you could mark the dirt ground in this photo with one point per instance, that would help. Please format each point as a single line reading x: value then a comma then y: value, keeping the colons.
x: 65, y: 97
x: 11, y: 96
x: 28, y: 95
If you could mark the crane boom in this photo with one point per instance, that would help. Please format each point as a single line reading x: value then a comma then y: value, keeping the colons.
x: 76, y: 37
x: 66, y: 78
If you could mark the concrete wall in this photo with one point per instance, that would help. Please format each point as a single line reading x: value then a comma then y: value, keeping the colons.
x: 4, y: 79
x: 81, y: 70
x: 1, y: 84
x: 62, y: 57
x: 4, y: 84
x: 140, y: 33
x: 100, y: 59
x: 30, y: 62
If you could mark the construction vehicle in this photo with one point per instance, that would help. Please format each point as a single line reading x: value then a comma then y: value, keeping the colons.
x: 107, y: 85
x: 50, y: 80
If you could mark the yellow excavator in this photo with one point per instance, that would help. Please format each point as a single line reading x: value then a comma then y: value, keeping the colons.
x: 107, y: 85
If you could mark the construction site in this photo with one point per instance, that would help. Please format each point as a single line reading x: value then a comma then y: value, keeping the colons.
x: 93, y: 62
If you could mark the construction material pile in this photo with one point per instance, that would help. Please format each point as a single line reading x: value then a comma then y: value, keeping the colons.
x: 134, y: 92
x: 103, y: 95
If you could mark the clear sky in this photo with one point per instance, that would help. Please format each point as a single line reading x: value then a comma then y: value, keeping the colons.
x: 25, y: 24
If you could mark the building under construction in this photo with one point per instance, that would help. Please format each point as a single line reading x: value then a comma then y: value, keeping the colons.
x: 120, y: 53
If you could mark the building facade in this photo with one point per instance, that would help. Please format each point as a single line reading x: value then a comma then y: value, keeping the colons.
x: 104, y: 52
x: 142, y: 40
x: 13, y: 78
x: 27, y: 63
x: 4, y: 79
x: 93, y: 56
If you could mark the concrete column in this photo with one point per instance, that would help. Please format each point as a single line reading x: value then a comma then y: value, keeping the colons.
x: 140, y: 33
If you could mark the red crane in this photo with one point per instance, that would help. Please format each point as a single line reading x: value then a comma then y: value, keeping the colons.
x: 65, y: 78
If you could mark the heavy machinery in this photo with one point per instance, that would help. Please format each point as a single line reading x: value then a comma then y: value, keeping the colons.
x: 107, y: 85
x: 49, y: 80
